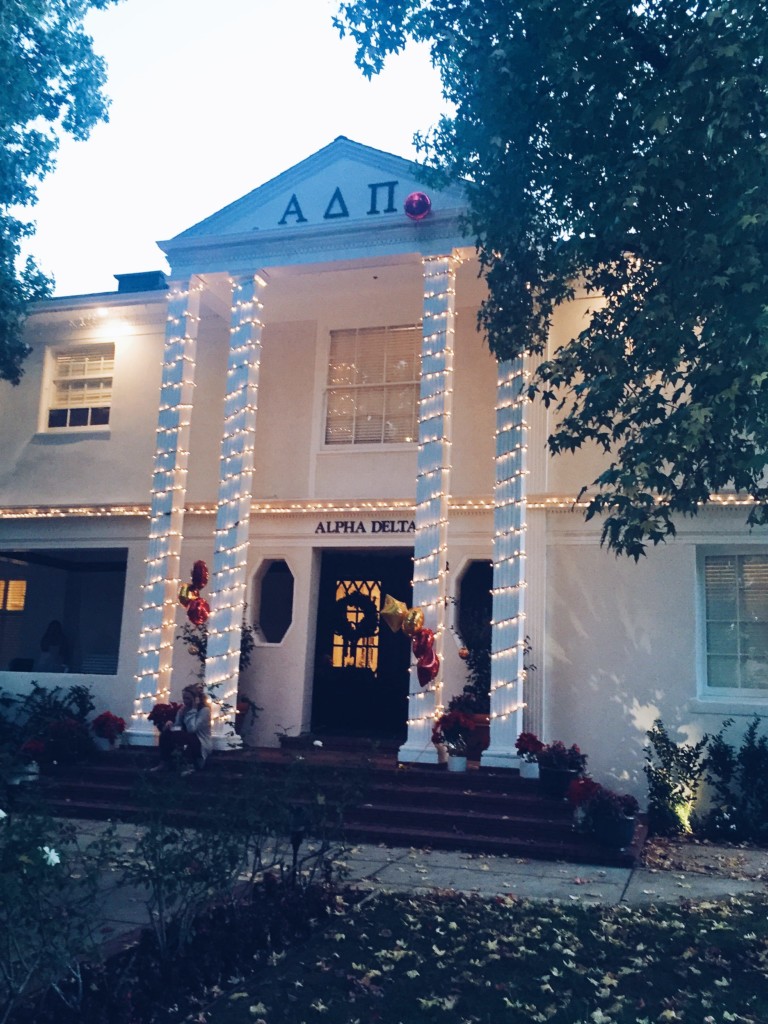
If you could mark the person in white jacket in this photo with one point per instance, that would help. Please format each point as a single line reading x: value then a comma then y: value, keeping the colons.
x: 190, y: 733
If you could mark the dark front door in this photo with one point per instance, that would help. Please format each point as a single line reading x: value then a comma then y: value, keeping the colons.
x: 361, y: 666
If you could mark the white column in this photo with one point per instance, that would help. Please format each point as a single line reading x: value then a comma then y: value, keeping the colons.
x: 508, y: 625
x: 227, y: 595
x: 432, y: 493
x: 169, y: 488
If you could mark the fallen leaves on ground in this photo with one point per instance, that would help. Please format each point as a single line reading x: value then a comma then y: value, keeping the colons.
x: 462, y: 959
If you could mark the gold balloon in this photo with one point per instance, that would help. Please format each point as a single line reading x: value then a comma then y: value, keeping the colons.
x: 393, y: 612
x: 413, y: 621
x: 187, y: 593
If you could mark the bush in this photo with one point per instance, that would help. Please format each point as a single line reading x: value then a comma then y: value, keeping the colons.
x: 48, y: 884
x: 674, y: 772
x: 739, y: 779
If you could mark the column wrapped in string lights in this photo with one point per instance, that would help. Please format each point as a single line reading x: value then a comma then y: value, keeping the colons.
x: 169, y: 486
x: 432, y: 492
x: 228, y: 584
x: 509, y: 581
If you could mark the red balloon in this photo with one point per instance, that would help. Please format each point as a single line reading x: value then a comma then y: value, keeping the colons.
x: 427, y: 672
x: 422, y: 642
x: 198, y: 611
x: 199, y: 575
x: 417, y: 205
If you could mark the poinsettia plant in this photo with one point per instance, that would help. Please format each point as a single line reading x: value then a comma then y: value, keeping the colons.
x: 161, y: 714
x: 108, y: 726
x: 453, y: 728
x: 557, y: 755
x: 598, y: 805
x: 528, y: 746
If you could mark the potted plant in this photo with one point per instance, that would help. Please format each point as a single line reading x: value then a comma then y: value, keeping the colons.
x: 162, y: 713
x: 528, y: 747
x: 610, y: 816
x: 107, y: 730
x: 454, y: 728
x: 559, y: 766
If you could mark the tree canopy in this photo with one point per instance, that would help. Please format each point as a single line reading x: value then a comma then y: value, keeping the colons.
x: 52, y: 84
x: 617, y: 148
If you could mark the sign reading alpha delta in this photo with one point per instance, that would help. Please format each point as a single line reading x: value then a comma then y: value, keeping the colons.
x: 349, y: 526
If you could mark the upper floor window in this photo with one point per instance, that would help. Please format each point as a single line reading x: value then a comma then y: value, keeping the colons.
x: 81, y: 387
x: 736, y: 621
x: 372, y: 394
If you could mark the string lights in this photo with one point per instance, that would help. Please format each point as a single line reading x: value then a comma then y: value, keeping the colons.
x: 166, y: 512
x: 227, y: 594
x: 430, y: 568
x: 508, y: 634
x: 537, y: 502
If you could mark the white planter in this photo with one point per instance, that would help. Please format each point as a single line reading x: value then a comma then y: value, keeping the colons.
x: 529, y: 769
x: 457, y: 763
x: 29, y: 773
x: 442, y: 753
x: 104, y: 744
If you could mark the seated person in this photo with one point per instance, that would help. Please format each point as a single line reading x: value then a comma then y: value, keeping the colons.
x: 190, y: 733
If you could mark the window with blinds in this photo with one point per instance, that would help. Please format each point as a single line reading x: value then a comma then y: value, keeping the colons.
x: 81, y: 388
x: 372, y: 394
x: 13, y: 594
x: 736, y: 603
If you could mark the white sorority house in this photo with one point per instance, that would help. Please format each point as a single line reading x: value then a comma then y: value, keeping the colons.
x: 305, y: 403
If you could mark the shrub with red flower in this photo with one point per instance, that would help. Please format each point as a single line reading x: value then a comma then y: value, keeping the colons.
x: 453, y: 728
x: 163, y: 713
x: 582, y: 790
x: 108, y: 726
x: 528, y: 746
x: 68, y: 741
x: 598, y: 805
x: 557, y: 755
x: 33, y: 750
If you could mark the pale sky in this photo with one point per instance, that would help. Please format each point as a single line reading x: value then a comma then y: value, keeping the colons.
x: 210, y: 100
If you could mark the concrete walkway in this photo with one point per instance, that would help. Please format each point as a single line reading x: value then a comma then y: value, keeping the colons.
x: 709, y: 872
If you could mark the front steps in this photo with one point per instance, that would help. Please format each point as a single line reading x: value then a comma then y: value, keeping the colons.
x: 481, y: 811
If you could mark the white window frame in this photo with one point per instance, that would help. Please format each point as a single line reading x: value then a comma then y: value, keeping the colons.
x: 95, y: 381
x: 736, y: 694
x: 362, y: 438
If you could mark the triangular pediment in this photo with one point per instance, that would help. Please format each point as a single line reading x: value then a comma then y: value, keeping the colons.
x: 343, y: 204
x: 343, y: 183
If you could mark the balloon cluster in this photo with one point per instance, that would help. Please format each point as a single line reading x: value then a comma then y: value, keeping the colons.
x: 398, y: 616
x: 198, y: 610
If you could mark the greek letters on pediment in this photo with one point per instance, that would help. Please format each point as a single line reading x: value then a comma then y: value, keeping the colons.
x: 381, y: 200
x: 293, y: 210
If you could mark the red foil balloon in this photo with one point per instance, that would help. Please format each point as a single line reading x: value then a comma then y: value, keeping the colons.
x: 198, y: 611
x: 199, y: 575
x: 427, y: 672
x: 417, y: 205
x: 422, y: 642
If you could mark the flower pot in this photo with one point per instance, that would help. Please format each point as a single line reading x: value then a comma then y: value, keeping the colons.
x: 457, y: 763
x: 103, y: 744
x: 27, y: 773
x: 616, y: 833
x: 555, y: 781
x: 442, y: 753
x: 480, y: 736
x: 529, y: 770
